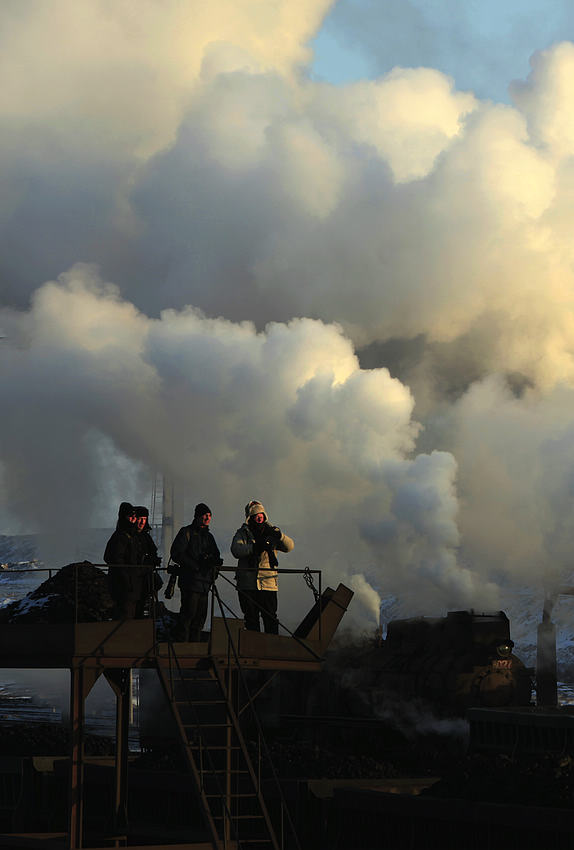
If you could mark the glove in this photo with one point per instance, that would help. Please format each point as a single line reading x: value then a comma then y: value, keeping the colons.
x: 208, y: 560
x: 275, y: 533
x: 261, y: 544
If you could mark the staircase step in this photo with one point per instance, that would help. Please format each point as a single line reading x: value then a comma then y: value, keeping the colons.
x: 224, y: 771
x: 196, y: 680
x: 198, y: 696
x: 233, y: 796
x: 239, y: 817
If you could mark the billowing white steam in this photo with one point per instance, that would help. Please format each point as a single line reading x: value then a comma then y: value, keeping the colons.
x: 183, y: 149
x: 286, y: 414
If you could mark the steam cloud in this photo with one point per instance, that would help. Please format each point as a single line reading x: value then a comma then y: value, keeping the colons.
x: 265, y: 236
x: 287, y: 411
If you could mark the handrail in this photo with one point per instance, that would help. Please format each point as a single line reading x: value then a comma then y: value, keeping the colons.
x: 8, y: 569
x: 151, y: 568
x: 300, y: 641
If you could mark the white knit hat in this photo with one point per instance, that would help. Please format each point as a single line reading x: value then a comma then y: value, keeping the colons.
x: 254, y: 507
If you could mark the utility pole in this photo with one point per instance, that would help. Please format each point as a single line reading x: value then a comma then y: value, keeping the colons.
x: 172, y: 514
x: 546, y: 675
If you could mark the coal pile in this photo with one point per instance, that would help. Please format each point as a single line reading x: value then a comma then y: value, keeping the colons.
x: 289, y: 761
x: 76, y: 593
x: 166, y: 756
x: 48, y: 739
x: 528, y: 780
x: 296, y: 760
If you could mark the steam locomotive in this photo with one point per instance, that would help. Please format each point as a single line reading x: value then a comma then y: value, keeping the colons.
x: 464, y: 659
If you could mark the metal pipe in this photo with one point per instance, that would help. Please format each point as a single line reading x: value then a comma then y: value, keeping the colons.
x: 76, y: 806
x: 546, y: 671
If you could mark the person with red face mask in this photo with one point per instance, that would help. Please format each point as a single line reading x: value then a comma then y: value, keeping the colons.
x: 147, y: 558
x: 255, y: 545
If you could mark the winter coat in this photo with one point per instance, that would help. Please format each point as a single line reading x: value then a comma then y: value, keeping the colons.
x: 146, y: 550
x: 147, y: 556
x: 196, y: 552
x: 138, y: 552
x: 254, y: 570
x: 125, y: 579
x: 122, y: 547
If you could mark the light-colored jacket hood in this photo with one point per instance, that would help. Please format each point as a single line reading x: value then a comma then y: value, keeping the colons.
x: 255, y: 507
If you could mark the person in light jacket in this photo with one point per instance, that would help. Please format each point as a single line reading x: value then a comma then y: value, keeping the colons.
x: 255, y: 545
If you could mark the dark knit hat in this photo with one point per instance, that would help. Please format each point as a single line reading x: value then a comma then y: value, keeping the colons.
x: 141, y: 510
x: 201, y: 509
x: 126, y: 509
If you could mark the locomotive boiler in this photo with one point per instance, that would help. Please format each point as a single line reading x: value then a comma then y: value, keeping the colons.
x: 464, y: 659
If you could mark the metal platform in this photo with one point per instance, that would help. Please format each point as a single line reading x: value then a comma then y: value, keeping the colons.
x: 131, y: 643
x: 114, y: 648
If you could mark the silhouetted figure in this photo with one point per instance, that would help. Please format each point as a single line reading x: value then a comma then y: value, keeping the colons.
x: 121, y: 554
x: 132, y: 556
x: 147, y: 558
x: 197, y: 559
x: 255, y: 545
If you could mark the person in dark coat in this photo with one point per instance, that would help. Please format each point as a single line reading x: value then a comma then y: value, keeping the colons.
x: 121, y: 549
x: 197, y: 557
x: 147, y: 557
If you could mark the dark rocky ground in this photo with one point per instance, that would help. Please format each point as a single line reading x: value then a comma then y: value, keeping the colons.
x: 545, y: 779
x: 538, y: 780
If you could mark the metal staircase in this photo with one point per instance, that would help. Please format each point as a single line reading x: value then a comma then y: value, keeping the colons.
x: 203, y: 704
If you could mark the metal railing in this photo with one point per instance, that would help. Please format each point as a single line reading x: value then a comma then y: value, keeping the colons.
x: 307, y: 574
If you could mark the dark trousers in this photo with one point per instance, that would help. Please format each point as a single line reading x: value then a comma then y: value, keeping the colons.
x: 192, y: 615
x: 128, y: 589
x: 260, y: 602
x: 130, y: 609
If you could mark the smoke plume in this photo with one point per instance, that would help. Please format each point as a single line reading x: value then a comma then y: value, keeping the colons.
x: 286, y: 412
x: 202, y: 247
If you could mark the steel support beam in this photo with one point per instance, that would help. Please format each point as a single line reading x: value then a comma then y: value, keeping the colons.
x: 121, y: 682
x: 81, y: 682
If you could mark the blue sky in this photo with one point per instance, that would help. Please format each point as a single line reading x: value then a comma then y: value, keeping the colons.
x: 482, y: 44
